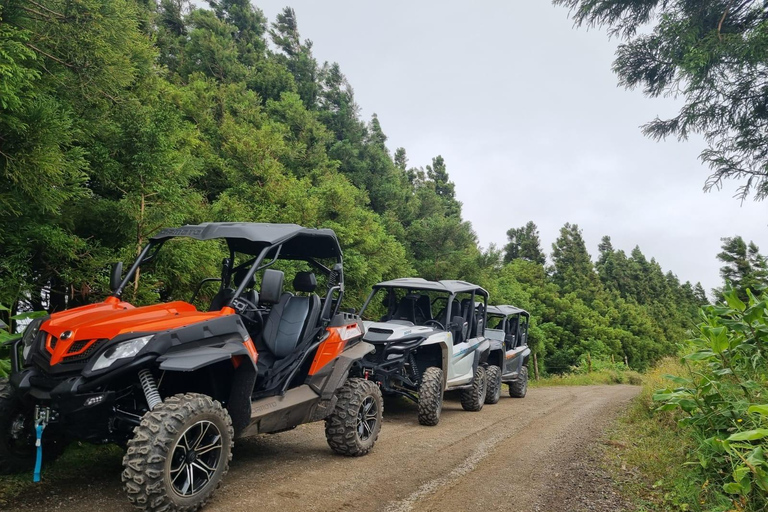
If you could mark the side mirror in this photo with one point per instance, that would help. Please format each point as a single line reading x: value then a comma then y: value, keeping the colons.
x: 116, y: 277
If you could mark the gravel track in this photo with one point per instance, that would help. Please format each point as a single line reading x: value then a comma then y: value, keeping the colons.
x: 536, y: 454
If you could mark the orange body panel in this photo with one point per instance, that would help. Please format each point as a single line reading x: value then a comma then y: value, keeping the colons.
x: 333, y: 345
x: 110, y: 318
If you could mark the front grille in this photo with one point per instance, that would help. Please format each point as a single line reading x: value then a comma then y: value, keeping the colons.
x: 85, y: 355
x: 77, y: 346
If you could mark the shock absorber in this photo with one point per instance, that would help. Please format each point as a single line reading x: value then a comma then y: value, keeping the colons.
x: 414, y: 368
x: 149, y: 386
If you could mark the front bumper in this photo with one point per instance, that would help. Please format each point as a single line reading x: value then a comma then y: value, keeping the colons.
x: 72, y: 393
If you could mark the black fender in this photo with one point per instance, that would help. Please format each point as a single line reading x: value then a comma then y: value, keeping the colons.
x: 481, y: 354
x: 328, y: 379
x: 238, y: 404
x: 526, y: 356
x: 200, y: 357
x: 14, y: 346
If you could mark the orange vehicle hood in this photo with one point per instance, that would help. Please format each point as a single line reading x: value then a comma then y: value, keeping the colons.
x: 113, y: 317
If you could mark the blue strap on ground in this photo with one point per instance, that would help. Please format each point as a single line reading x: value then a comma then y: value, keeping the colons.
x: 39, y: 445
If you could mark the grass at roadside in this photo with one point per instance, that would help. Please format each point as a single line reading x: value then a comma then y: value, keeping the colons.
x: 588, y: 379
x: 647, y: 454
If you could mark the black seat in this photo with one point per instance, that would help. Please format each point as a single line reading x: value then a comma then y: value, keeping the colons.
x: 290, y: 327
x: 292, y: 316
x: 406, y: 310
x: 423, y: 309
x: 469, y: 317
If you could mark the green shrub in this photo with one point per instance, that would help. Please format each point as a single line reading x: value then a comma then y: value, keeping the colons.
x: 6, y: 335
x: 724, y: 398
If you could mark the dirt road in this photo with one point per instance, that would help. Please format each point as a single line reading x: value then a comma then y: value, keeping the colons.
x: 534, y: 454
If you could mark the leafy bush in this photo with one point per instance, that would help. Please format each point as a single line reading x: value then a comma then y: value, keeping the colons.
x: 7, y: 334
x: 725, y: 398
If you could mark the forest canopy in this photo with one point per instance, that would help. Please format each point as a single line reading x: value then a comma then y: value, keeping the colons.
x: 120, y: 117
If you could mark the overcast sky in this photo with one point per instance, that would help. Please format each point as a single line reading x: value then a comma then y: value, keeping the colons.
x: 527, y: 114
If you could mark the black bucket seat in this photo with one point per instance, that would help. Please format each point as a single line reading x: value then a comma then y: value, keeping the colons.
x: 290, y: 326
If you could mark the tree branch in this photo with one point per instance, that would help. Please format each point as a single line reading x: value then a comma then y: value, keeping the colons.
x: 38, y: 50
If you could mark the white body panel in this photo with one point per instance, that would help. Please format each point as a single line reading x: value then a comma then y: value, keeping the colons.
x: 458, y: 369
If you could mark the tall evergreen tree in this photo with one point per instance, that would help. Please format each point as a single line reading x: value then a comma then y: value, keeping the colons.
x: 524, y: 243
x: 573, y: 268
x: 744, y: 267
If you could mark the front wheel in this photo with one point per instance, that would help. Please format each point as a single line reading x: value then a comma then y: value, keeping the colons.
x: 494, y: 385
x: 519, y: 387
x: 355, y: 423
x: 17, y: 435
x: 179, y: 454
x: 472, y: 399
x: 431, y: 396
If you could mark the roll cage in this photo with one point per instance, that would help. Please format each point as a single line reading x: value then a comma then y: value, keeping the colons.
x: 473, y: 317
x: 506, y: 321
x: 265, y: 244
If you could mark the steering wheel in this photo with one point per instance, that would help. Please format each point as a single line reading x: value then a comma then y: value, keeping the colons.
x: 441, y: 326
x: 238, y: 303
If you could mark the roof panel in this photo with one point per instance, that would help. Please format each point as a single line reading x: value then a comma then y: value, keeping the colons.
x: 418, y: 283
x: 253, y: 236
x: 506, y: 310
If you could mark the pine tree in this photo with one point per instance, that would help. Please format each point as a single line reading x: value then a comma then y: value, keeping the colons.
x: 573, y: 268
x: 744, y: 266
x: 524, y: 243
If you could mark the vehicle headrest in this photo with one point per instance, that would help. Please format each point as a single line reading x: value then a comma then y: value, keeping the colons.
x: 305, y: 282
x: 240, y: 275
x: 389, y: 301
x: 272, y: 286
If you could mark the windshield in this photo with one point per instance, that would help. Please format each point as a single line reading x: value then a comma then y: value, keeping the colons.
x: 419, y: 307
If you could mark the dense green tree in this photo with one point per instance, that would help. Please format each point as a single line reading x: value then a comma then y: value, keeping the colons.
x: 713, y: 54
x: 573, y: 267
x: 744, y: 267
x: 524, y: 243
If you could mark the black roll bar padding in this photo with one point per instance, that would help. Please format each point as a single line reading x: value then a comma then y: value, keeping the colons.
x: 326, y: 314
x: 139, y: 260
x: 255, y: 268
x: 200, y: 287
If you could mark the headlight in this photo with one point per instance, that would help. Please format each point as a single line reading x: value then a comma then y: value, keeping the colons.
x: 30, y: 333
x: 122, y: 350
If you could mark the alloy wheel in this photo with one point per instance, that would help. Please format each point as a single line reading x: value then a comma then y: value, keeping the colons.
x: 367, y: 417
x: 195, y: 458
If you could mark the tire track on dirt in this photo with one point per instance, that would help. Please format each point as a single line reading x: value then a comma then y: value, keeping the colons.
x: 460, y: 463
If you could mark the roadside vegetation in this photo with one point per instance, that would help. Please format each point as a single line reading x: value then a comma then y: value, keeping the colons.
x: 590, y: 372
x: 697, y: 436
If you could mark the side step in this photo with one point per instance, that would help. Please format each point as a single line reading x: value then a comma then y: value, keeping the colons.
x: 275, y: 413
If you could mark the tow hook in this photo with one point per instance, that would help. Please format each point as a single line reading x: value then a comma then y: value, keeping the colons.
x: 42, y: 417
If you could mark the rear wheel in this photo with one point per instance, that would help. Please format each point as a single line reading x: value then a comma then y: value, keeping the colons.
x: 493, y: 394
x: 472, y: 399
x: 518, y: 388
x: 431, y: 396
x: 179, y: 454
x: 355, y: 423
x: 17, y: 435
